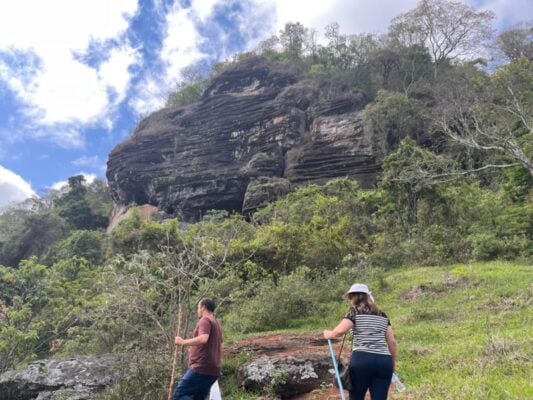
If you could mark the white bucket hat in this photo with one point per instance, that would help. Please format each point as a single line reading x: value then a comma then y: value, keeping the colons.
x: 359, y: 288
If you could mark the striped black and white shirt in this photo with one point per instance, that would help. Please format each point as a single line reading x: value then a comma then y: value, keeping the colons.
x: 368, y: 332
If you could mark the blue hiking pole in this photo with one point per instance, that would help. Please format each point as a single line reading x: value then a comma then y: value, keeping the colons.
x: 336, y: 369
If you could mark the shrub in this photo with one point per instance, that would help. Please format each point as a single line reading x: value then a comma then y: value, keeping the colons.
x: 275, y: 306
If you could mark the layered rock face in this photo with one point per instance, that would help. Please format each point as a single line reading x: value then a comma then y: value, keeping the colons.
x: 259, y: 129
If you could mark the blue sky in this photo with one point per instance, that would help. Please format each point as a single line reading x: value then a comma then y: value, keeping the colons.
x: 76, y: 76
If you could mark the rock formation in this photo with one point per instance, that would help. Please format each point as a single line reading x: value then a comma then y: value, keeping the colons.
x: 288, y: 365
x: 79, y: 378
x: 286, y: 375
x: 260, y: 128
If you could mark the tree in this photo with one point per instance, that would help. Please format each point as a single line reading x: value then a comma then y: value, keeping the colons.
x: 22, y: 295
x: 269, y: 46
x: 35, y: 234
x: 493, y: 114
x: 409, y: 173
x: 403, y: 69
x: 190, y: 88
x: 449, y: 29
x: 391, y: 117
x: 516, y: 42
x: 89, y: 245
x: 74, y: 206
x: 292, y: 39
x: 336, y: 50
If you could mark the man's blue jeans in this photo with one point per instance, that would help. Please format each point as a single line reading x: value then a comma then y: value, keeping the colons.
x: 193, y: 386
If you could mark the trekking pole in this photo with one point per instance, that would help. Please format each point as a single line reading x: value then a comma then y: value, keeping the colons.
x: 171, y: 384
x: 337, y: 375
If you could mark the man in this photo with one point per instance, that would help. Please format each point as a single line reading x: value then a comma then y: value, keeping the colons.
x: 204, y: 356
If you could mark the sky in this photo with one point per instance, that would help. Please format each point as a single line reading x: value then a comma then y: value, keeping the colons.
x: 76, y: 76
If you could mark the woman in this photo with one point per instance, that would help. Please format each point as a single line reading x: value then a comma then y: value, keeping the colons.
x: 373, y: 345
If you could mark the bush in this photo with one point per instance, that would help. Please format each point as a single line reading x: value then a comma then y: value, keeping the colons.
x: 488, y: 246
x: 275, y: 306
x: 141, y: 376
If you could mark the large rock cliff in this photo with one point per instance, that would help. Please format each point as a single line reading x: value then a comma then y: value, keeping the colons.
x: 259, y: 128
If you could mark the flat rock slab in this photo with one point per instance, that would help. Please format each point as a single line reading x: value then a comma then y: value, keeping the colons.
x: 79, y: 378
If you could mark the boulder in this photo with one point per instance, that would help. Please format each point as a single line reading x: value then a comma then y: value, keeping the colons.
x: 286, y: 375
x: 264, y: 190
x: 80, y: 378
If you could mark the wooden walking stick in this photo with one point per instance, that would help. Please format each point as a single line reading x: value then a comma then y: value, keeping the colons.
x: 171, y: 384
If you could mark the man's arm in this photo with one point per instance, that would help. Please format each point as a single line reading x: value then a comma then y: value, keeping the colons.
x: 195, y: 341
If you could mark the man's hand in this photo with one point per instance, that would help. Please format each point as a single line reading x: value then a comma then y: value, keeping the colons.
x: 195, y: 341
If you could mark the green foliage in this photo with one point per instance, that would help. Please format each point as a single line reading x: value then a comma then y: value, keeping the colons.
x: 276, y: 306
x: 17, y: 339
x: 410, y: 173
x: 90, y: 245
x: 20, y: 239
x: 142, y: 375
x: 517, y: 41
x: 186, y: 94
x: 74, y: 206
x: 390, y: 118
x: 50, y: 219
x: 137, y: 233
x: 22, y: 296
x: 292, y: 39
x: 194, y: 80
x: 519, y: 184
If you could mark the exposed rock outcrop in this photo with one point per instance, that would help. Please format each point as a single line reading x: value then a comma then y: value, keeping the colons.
x: 259, y: 124
x: 286, y: 375
x: 79, y: 378
x: 289, y: 365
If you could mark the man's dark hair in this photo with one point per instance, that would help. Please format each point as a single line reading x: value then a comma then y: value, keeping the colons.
x: 208, y: 303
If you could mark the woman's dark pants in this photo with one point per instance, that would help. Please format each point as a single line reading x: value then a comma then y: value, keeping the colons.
x: 372, y: 372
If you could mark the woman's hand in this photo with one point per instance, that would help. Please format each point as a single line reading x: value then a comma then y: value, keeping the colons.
x: 329, y: 334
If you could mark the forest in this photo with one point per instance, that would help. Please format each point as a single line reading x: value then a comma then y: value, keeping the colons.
x: 451, y: 106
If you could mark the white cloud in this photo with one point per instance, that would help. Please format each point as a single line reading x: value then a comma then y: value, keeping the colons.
x: 508, y: 12
x: 59, y: 185
x: 13, y: 188
x: 63, y: 94
x: 57, y: 87
x: 180, y: 48
x: 150, y: 95
x: 353, y: 16
x: 363, y: 16
x: 203, y: 8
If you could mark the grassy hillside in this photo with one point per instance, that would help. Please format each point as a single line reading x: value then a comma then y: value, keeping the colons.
x: 464, y: 331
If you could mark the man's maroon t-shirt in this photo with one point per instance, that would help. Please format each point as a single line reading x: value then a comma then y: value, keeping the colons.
x: 206, y: 358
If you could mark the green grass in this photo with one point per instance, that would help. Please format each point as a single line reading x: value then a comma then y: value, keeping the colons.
x: 463, y: 331
x: 468, y: 335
